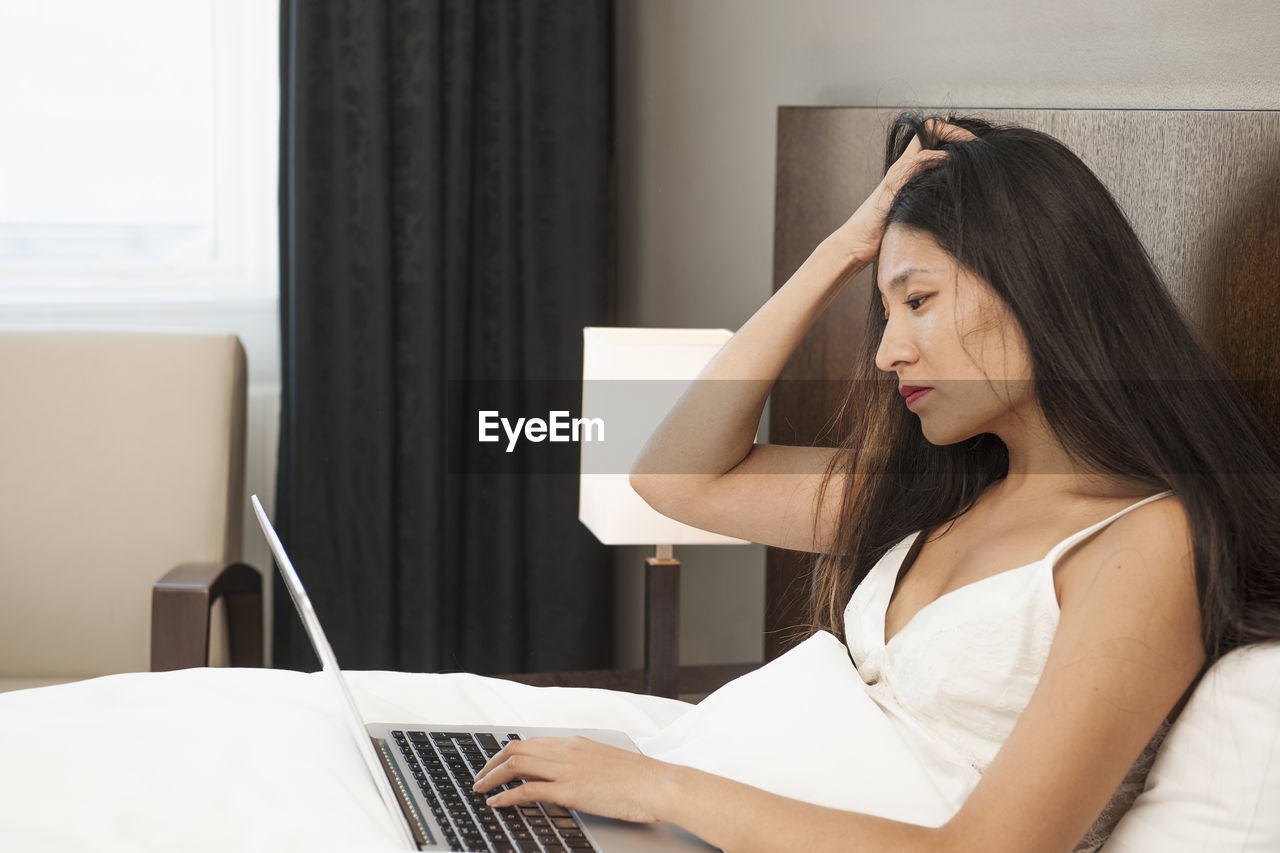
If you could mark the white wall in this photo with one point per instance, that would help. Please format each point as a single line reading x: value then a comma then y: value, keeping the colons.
x: 699, y: 83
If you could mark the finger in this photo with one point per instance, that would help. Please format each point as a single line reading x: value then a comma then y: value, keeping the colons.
x: 515, y: 747
x: 934, y: 125
x: 907, y: 160
x: 517, y: 767
x: 529, y: 792
x: 904, y: 170
x: 499, y: 757
x: 955, y: 133
x: 927, y: 160
x: 942, y: 130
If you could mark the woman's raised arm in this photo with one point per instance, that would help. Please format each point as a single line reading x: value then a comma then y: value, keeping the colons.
x: 702, y: 465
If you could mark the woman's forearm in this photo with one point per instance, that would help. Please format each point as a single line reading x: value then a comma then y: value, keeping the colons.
x: 713, y: 426
x: 739, y: 818
x: 580, y: 773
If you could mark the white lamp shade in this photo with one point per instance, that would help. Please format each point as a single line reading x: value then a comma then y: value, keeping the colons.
x: 631, y: 379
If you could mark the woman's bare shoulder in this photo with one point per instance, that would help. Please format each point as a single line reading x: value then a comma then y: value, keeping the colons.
x: 1159, y: 527
x: 1154, y: 539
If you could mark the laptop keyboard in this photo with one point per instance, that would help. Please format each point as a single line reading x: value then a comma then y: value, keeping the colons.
x: 444, y: 765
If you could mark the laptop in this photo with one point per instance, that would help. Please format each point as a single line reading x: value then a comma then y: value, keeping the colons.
x: 423, y: 772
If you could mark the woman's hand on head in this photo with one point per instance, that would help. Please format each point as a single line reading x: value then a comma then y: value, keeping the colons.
x: 862, y: 232
x: 578, y: 773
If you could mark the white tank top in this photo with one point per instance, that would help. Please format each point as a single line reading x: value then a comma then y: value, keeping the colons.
x: 959, y: 674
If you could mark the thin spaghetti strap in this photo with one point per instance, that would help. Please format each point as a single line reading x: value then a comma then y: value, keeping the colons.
x: 1071, y: 540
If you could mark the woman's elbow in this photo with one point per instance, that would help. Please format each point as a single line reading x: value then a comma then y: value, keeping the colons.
x: 659, y: 491
x: 645, y: 485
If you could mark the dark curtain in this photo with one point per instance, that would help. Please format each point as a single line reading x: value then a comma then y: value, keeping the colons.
x: 446, y: 222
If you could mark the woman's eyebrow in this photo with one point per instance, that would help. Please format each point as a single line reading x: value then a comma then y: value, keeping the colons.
x: 899, y: 279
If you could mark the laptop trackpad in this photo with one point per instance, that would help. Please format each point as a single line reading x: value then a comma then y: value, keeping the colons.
x: 620, y: 836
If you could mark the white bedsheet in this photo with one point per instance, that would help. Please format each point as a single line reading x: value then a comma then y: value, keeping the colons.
x: 242, y: 759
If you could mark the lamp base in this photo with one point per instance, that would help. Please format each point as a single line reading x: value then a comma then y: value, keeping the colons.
x: 662, y: 626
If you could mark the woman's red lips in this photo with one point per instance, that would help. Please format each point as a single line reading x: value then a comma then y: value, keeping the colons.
x: 911, y: 393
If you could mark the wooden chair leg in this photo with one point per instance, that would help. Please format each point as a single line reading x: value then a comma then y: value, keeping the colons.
x: 244, y: 624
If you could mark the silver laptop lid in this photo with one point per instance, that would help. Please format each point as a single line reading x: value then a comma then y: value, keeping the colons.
x: 329, y: 662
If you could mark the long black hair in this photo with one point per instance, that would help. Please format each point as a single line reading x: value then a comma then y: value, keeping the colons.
x: 1128, y: 387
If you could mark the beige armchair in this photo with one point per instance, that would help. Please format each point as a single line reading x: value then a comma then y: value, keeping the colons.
x: 121, y: 501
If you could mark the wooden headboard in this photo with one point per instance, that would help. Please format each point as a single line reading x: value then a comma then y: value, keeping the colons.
x: 1202, y: 189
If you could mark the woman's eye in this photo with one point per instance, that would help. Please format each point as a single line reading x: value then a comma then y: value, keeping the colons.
x: 913, y: 302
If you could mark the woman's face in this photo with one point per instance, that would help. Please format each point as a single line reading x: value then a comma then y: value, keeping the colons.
x: 949, y: 331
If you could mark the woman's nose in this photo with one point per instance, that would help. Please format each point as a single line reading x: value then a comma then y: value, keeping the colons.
x: 895, y: 349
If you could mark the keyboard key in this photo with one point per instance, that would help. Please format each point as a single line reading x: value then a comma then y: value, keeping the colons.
x: 444, y: 763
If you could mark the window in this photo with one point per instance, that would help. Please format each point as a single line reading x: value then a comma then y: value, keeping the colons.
x: 138, y: 150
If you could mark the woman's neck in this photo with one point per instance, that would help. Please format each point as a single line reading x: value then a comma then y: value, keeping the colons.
x: 1040, y: 469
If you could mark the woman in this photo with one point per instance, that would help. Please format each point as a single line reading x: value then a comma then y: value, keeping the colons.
x: 1074, y: 433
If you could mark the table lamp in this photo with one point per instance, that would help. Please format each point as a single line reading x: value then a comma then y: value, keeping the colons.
x: 631, y: 378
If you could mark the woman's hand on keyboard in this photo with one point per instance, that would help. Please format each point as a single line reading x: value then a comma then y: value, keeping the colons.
x: 578, y: 773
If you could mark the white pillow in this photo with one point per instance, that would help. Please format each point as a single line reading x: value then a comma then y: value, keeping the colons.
x: 804, y: 726
x: 1215, y: 783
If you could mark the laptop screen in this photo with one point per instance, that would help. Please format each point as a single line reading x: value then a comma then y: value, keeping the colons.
x: 329, y: 662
